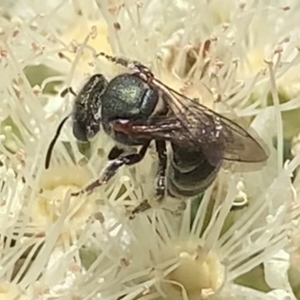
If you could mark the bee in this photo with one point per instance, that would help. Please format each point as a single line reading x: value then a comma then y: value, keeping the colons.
x: 136, y: 109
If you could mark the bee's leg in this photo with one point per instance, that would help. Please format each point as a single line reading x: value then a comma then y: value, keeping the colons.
x: 115, y: 152
x: 144, y: 205
x: 112, y: 167
x: 127, y: 63
x: 138, y: 68
x: 160, y: 187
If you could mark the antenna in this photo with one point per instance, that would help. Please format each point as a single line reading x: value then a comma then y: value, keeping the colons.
x: 51, y: 146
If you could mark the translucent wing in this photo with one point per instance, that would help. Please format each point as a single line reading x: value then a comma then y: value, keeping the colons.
x: 193, y: 124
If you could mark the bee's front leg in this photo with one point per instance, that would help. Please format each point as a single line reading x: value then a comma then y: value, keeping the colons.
x: 112, y: 167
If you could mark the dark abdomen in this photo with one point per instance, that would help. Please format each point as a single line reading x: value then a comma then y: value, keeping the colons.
x: 189, y: 172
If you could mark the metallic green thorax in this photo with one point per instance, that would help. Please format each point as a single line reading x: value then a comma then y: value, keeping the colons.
x: 127, y: 97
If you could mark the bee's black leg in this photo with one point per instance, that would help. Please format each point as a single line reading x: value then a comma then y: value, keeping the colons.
x: 115, y: 152
x: 112, y: 167
x: 144, y: 205
x: 160, y: 187
x: 127, y: 63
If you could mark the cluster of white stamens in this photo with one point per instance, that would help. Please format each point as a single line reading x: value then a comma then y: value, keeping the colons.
x: 239, y: 58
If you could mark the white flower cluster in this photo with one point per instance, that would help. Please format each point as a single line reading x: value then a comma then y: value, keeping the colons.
x: 240, y: 240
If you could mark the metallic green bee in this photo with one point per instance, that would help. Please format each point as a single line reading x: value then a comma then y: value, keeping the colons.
x: 135, y: 109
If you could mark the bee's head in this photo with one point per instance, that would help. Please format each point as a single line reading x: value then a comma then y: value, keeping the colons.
x: 86, y: 110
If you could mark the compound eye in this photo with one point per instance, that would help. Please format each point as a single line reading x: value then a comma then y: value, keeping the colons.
x: 80, y: 132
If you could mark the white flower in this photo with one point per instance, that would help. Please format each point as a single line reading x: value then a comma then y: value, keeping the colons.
x: 282, y: 271
x: 216, y: 50
x: 55, y: 246
x: 42, y: 228
x: 168, y: 257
